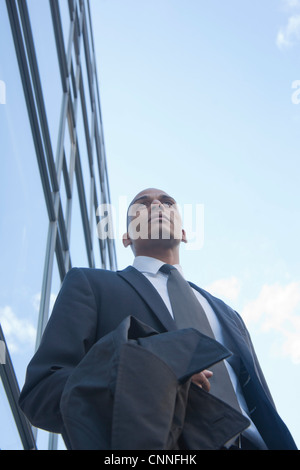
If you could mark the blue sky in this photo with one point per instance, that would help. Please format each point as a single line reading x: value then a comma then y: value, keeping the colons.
x: 197, y: 99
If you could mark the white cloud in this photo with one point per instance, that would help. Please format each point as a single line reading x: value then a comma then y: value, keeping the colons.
x: 290, y: 34
x: 18, y: 332
x: 228, y: 288
x: 291, y: 3
x: 277, y: 310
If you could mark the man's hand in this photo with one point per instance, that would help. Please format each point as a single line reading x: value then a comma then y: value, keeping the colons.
x: 202, y: 379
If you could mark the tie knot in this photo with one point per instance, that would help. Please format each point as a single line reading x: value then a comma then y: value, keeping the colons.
x: 166, y: 268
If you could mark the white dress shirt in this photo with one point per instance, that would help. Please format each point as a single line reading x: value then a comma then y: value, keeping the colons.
x: 150, y: 268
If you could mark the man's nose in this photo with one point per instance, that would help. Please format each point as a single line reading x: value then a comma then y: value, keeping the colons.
x: 157, y: 204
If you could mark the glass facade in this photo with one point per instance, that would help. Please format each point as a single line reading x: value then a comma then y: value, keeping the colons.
x: 53, y: 178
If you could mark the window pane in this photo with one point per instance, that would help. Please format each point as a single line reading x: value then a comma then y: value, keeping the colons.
x: 44, y: 40
x: 83, y: 150
x: 65, y: 21
x: 24, y: 221
x: 77, y: 242
x: 9, y: 436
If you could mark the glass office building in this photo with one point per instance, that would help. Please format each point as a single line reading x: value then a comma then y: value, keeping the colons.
x: 53, y: 178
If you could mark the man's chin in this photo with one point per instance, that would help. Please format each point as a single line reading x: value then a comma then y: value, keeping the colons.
x: 164, y: 231
x: 169, y: 242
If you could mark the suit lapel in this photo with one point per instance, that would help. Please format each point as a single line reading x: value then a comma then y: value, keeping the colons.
x: 242, y: 346
x: 149, y: 294
x: 238, y: 344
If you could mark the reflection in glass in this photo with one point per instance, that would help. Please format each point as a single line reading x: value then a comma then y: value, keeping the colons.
x: 65, y: 20
x: 77, y: 241
x: 46, y: 52
x: 9, y: 436
x: 27, y: 256
x: 24, y: 222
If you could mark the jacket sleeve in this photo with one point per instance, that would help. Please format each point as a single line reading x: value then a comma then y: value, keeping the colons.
x: 241, y: 325
x: 68, y: 336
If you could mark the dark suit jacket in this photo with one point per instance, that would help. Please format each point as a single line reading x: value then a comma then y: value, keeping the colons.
x: 91, y: 304
x: 132, y: 391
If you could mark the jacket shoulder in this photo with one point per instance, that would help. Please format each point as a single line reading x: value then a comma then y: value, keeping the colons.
x: 90, y: 273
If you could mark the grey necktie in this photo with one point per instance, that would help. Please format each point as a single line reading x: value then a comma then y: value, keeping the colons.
x: 188, y: 313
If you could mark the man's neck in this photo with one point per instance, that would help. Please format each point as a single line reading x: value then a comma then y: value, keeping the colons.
x: 167, y: 256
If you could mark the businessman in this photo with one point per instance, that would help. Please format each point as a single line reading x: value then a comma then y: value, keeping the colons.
x: 94, y: 304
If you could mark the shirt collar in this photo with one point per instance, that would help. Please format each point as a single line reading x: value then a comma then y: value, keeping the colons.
x: 147, y: 264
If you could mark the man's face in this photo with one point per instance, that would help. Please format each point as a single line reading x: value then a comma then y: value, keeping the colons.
x: 153, y: 215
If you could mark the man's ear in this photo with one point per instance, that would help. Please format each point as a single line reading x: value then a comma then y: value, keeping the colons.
x: 184, y: 238
x: 126, y: 240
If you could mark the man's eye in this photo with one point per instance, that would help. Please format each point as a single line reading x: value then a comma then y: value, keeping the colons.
x: 141, y: 207
x: 134, y: 208
x: 168, y: 203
